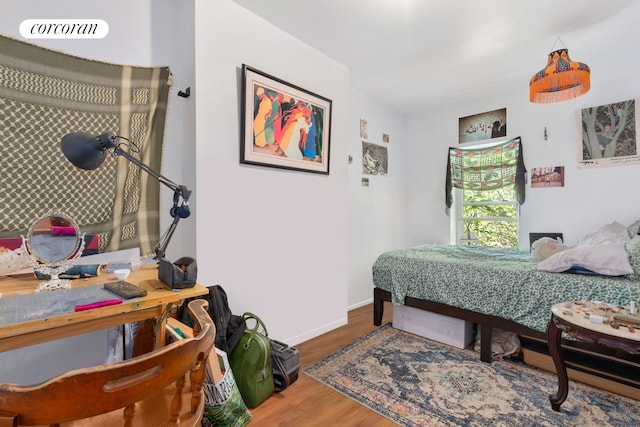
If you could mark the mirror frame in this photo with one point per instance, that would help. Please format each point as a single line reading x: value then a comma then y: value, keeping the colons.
x: 53, y: 268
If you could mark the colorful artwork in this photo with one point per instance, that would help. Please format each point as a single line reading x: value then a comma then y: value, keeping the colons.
x: 284, y: 126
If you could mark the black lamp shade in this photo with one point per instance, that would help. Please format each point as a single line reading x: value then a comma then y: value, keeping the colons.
x: 86, y: 151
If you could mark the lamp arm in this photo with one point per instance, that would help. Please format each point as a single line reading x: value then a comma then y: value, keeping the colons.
x: 179, y: 189
x: 161, y: 247
x: 177, y: 212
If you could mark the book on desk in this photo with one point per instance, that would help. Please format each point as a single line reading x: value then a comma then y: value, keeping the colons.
x: 125, y: 289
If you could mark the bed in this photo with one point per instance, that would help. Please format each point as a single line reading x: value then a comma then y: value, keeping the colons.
x: 498, y: 287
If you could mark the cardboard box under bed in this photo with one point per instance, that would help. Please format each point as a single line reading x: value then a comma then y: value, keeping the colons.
x: 445, y: 329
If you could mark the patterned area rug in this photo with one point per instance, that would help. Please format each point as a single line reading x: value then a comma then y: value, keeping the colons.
x: 418, y: 382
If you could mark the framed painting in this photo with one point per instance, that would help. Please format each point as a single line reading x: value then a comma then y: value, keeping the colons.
x: 483, y: 126
x: 284, y: 126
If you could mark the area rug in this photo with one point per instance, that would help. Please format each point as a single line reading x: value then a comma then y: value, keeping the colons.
x: 414, y: 381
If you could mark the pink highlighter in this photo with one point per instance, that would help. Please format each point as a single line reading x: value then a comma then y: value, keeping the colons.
x: 98, y: 304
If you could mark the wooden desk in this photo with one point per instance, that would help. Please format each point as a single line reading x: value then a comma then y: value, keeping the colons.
x: 26, y: 333
x: 574, y: 319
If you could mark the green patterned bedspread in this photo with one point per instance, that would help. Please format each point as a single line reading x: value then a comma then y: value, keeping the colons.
x: 494, y: 281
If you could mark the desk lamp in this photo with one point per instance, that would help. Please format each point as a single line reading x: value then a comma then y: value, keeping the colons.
x: 88, y: 152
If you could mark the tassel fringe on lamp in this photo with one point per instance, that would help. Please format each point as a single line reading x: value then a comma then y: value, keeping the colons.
x: 560, y: 80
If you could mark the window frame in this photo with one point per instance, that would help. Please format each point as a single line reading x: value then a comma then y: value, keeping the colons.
x: 457, y: 235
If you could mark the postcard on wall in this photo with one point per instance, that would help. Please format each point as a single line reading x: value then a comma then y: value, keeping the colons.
x: 547, y: 177
x: 364, y: 129
x: 375, y: 159
x: 607, y: 136
x: 484, y: 126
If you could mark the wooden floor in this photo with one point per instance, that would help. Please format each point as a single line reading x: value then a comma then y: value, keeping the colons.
x: 308, y: 402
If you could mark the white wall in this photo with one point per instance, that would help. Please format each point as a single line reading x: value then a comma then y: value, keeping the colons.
x: 275, y: 239
x: 128, y: 41
x: 173, y: 43
x: 377, y: 212
x: 589, y: 199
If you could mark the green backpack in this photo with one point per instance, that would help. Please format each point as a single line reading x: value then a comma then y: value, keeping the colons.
x: 251, y: 363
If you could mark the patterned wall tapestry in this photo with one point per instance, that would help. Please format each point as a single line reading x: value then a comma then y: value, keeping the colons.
x: 45, y: 94
x: 486, y: 167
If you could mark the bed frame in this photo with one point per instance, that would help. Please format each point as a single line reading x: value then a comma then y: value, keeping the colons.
x: 487, y: 322
x: 611, y: 370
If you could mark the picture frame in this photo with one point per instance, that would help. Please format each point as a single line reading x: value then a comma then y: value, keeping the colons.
x: 375, y: 159
x: 283, y: 125
x: 484, y: 126
x: 547, y: 177
x: 607, y: 135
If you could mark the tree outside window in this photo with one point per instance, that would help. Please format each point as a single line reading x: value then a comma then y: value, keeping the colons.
x: 491, y: 216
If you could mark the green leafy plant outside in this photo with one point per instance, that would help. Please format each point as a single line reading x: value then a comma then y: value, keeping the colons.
x: 491, y: 215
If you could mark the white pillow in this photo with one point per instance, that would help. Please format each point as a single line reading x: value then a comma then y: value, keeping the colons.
x: 610, y: 259
x: 610, y: 233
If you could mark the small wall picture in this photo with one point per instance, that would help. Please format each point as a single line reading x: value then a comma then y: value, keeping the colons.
x: 365, y: 182
x: 483, y: 126
x: 547, y: 177
x: 608, y: 135
x: 364, y: 131
x: 385, y: 137
x: 374, y: 159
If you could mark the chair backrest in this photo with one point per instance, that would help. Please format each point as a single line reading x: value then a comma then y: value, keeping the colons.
x: 88, y: 392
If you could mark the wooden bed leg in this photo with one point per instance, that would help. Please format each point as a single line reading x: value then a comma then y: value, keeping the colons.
x: 379, y: 297
x: 485, y: 343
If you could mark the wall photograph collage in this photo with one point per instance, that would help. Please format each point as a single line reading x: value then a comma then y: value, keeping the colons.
x: 606, y: 138
x: 375, y: 156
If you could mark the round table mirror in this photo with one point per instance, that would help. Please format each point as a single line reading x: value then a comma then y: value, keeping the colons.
x: 53, y: 244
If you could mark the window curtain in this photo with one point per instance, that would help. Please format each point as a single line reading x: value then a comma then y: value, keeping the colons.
x: 45, y: 94
x: 486, y: 168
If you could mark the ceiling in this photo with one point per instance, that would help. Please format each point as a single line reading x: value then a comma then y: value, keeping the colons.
x: 412, y: 54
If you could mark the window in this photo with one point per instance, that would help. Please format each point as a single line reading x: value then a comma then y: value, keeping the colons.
x: 489, y: 182
x: 487, y: 217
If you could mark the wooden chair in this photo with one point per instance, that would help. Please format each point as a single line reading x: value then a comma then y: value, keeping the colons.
x: 147, y: 390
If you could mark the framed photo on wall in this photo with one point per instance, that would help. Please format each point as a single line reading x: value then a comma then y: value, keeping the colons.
x: 483, y: 126
x: 375, y: 159
x: 607, y: 136
x: 283, y: 125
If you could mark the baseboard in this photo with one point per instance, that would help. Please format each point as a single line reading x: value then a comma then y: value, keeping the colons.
x: 316, y: 332
x: 360, y: 304
x: 623, y: 386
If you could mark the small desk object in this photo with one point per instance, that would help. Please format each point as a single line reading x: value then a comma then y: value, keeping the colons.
x: 31, y: 323
x: 608, y: 325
